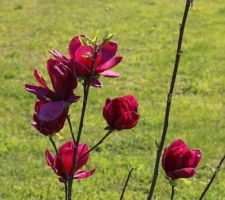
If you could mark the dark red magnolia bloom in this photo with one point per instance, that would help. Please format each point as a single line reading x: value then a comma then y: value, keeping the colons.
x: 49, y: 117
x: 63, y: 79
x: 63, y: 167
x: 121, y: 113
x: 81, y: 58
x: 179, y: 161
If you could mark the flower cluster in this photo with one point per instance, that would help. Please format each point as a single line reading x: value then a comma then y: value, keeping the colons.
x: 86, y: 63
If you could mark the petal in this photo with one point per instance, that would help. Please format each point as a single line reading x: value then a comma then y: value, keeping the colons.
x: 106, y: 52
x: 96, y: 83
x: 40, y: 79
x: 82, y: 148
x: 198, y: 155
x: 73, y: 99
x: 74, y: 45
x: 83, y: 174
x: 84, y: 54
x: 49, y: 158
x: 39, y: 91
x: 127, y: 121
x: 51, y: 111
x: 109, y: 64
x: 59, y: 57
x: 109, y: 73
x: 80, y: 69
x: 183, y: 173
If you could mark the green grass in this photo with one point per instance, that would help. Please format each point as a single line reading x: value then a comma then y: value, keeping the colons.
x: 147, y: 34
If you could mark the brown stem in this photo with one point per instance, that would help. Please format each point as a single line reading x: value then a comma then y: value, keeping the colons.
x: 169, y: 100
x: 96, y: 145
x: 71, y: 129
x: 86, y: 92
x: 213, y: 177
x: 172, y: 191
x: 126, y: 183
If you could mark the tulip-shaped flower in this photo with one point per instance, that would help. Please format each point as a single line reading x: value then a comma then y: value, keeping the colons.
x: 179, y: 161
x: 81, y: 58
x: 121, y: 113
x: 64, y: 81
x: 49, y: 118
x: 62, y: 166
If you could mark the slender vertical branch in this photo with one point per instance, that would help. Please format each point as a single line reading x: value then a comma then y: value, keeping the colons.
x: 71, y: 129
x: 169, y: 100
x: 126, y: 183
x: 172, y: 191
x: 213, y: 177
x: 86, y: 85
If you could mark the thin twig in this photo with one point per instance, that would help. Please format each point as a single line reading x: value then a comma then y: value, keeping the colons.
x: 71, y: 129
x: 58, y: 156
x: 169, y: 100
x: 76, y: 144
x: 172, y: 191
x: 96, y: 145
x: 213, y: 177
x: 125, y: 185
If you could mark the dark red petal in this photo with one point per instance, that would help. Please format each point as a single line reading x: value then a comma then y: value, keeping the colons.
x: 84, y: 55
x: 110, y: 74
x: 183, y: 173
x: 49, y: 158
x: 51, y: 111
x: 109, y: 64
x: 82, y: 148
x: 40, y: 79
x: 96, y: 83
x: 59, y: 57
x: 106, y: 52
x: 74, y: 45
x: 84, y: 174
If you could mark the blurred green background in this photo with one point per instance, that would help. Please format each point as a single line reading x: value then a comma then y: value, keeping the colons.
x: 147, y: 34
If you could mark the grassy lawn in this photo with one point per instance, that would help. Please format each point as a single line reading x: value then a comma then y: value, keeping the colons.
x: 147, y: 34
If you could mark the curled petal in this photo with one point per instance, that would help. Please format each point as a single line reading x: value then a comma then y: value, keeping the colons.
x: 110, y: 74
x: 96, y: 83
x: 84, y: 174
x: 59, y: 57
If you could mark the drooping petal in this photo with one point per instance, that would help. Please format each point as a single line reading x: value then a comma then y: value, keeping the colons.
x: 110, y: 74
x: 96, y: 83
x: 74, y: 45
x: 84, y: 174
x: 183, y: 173
x: 108, y: 64
x: 73, y: 99
x: 51, y: 111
